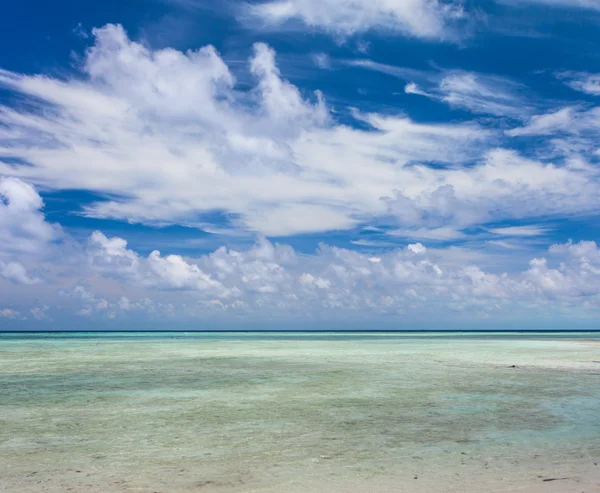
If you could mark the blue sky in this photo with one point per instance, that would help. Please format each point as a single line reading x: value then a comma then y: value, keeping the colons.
x: 299, y: 164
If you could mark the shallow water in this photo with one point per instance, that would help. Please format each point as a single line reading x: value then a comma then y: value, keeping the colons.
x: 299, y: 412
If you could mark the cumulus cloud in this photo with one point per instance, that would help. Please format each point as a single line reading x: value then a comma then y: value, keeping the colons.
x: 277, y: 278
x: 40, y: 312
x: 417, y: 248
x: 17, y: 273
x: 506, y: 186
x: 23, y: 228
x: 111, y: 257
x: 429, y: 19
x: 96, y: 306
x: 84, y: 312
x: 9, y: 313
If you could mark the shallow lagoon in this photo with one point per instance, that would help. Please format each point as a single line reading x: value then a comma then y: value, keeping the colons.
x: 299, y: 412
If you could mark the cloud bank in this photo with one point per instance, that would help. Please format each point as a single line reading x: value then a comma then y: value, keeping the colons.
x: 332, y: 282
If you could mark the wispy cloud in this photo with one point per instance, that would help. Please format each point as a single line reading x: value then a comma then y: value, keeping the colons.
x: 477, y: 93
x: 474, y: 92
x: 570, y: 4
x: 520, y: 231
x: 485, y: 94
x: 582, y: 81
x: 403, y: 73
x: 567, y: 120
x: 428, y: 19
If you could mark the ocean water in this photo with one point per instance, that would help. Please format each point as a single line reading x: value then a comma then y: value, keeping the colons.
x: 254, y: 412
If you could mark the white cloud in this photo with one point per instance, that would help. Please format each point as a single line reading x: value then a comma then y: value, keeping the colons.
x: 80, y: 31
x: 404, y: 73
x: 84, y: 312
x: 9, y: 313
x: 417, y: 248
x: 171, y: 138
x: 299, y: 218
x: 582, y: 81
x: 322, y: 60
x: 16, y: 273
x: 582, y: 250
x: 484, y: 94
x: 519, y: 231
x: 507, y: 186
x: 503, y: 244
x: 275, y: 276
x: 442, y: 233
x: 308, y: 280
x: 412, y: 88
x: 571, y: 131
x: 477, y: 93
x: 276, y: 279
x: 39, y: 312
x: 124, y: 303
x: 174, y: 272
x: 82, y: 293
x: 430, y: 19
x: 23, y: 228
x: 567, y: 119
x: 111, y: 257
x: 102, y: 305
x: 572, y: 4
x: 282, y: 101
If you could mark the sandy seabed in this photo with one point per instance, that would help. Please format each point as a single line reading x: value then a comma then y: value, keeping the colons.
x: 373, y: 414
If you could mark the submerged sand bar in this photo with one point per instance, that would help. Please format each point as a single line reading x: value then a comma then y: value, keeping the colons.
x: 305, y: 413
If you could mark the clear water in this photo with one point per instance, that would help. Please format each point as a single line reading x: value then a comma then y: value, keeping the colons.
x: 299, y: 412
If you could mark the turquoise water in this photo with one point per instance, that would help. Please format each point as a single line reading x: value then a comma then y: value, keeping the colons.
x: 299, y: 412
x: 305, y: 335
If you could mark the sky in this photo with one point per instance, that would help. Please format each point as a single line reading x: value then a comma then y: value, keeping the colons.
x: 300, y: 164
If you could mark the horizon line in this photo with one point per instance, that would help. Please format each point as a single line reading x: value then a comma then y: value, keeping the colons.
x: 346, y: 331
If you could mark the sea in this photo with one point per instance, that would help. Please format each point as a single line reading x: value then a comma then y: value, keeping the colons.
x: 300, y: 411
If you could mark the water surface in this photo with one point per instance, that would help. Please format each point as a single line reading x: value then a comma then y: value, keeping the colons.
x: 299, y: 412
